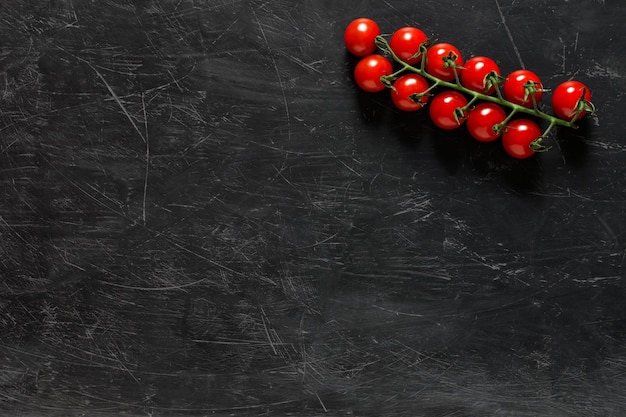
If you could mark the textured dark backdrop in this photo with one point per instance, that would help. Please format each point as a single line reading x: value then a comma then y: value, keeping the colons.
x: 201, y: 215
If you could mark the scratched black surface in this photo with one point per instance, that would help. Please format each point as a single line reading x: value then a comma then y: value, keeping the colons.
x: 200, y: 215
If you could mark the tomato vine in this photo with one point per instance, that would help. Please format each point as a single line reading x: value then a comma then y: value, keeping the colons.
x: 442, y: 66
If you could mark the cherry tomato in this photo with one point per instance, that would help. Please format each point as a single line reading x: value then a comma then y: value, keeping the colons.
x: 444, y: 109
x: 359, y: 36
x: 368, y: 71
x: 483, y: 119
x: 566, y: 99
x: 435, y: 61
x: 404, y: 87
x: 474, y: 74
x: 518, y: 136
x: 405, y: 43
x: 514, y: 88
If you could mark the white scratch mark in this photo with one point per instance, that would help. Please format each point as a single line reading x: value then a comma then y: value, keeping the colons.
x: 609, y: 230
x: 346, y: 165
x: 397, y: 313
x: 225, y: 31
x: 170, y: 288
x: 267, y: 333
x: 147, y: 168
x: 321, y: 242
x: 562, y: 55
x: 194, y: 253
x: 321, y: 403
x: 280, y: 79
x: 113, y: 94
x: 508, y: 33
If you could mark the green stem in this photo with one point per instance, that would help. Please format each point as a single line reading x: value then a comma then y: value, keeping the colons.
x: 548, y: 129
x: 508, y: 117
x: 469, y: 103
x: 498, y: 99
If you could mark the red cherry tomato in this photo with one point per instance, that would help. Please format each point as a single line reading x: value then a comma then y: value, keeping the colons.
x: 435, y: 61
x: 405, y: 43
x: 566, y: 99
x: 368, y: 71
x: 444, y: 109
x: 518, y: 136
x: 483, y: 119
x: 475, y: 71
x: 514, y: 88
x: 404, y: 87
x: 359, y: 36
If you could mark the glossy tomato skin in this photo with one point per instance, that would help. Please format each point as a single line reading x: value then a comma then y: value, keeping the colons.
x: 359, y: 36
x: 518, y: 136
x: 404, y: 87
x: 482, y: 120
x: 405, y: 43
x: 435, y: 61
x: 514, y: 90
x: 565, y: 99
x: 474, y: 72
x: 442, y: 109
x: 368, y: 71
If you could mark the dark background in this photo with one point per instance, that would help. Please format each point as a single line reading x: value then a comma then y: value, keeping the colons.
x: 201, y: 215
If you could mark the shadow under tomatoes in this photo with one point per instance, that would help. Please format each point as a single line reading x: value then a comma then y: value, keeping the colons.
x: 450, y: 148
x: 572, y: 144
x: 485, y: 157
x: 523, y: 175
x: 373, y: 107
x: 408, y: 127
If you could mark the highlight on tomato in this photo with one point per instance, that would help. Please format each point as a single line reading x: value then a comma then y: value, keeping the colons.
x: 571, y: 100
x: 406, y: 43
x: 476, y: 72
x: 483, y: 122
x: 443, y: 60
x: 368, y: 71
x: 447, y: 109
x: 523, y: 87
x: 359, y: 36
x: 408, y: 91
x: 518, y: 137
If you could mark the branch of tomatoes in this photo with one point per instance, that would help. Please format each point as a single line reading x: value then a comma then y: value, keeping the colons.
x: 423, y: 68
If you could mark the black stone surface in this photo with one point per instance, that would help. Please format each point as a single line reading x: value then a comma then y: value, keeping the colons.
x: 201, y: 215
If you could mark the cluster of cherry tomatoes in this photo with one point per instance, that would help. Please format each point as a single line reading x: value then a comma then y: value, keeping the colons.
x: 437, y: 75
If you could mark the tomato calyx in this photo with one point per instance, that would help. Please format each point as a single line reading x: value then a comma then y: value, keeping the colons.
x: 531, y: 88
x: 493, y: 80
x: 421, y: 50
x: 538, y: 146
x: 499, y: 128
x: 460, y: 114
x: 583, y: 106
x: 417, y: 98
x: 387, y: 81
x: 450, y: 61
